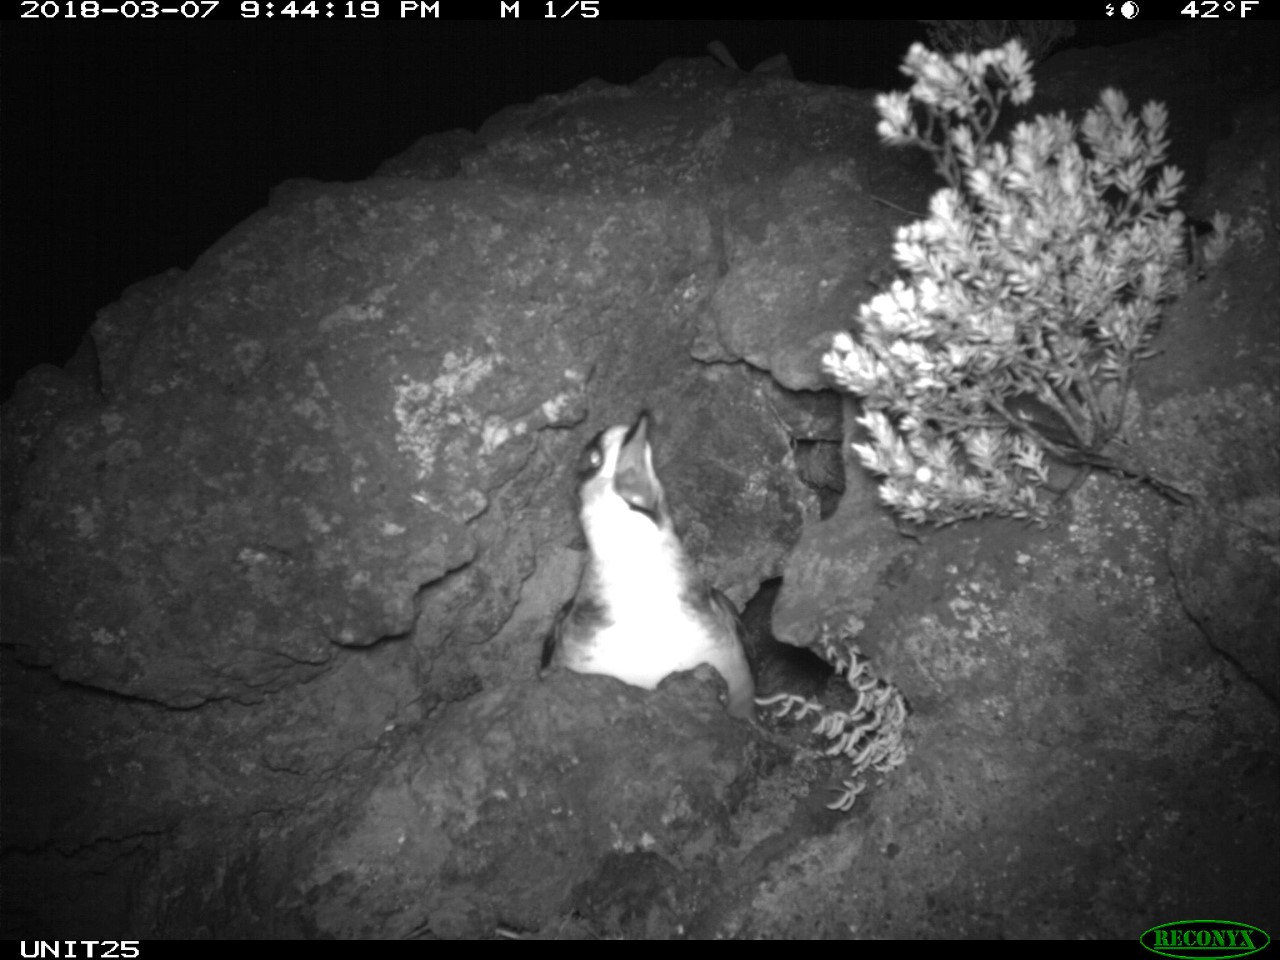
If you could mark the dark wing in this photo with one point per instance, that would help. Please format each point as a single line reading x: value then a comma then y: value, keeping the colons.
x: 552, y: 641
x: 726, y: 613
x: 734, y: 665
x: 573, y: 628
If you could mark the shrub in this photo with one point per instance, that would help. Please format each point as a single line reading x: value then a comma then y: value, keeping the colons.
x: 1025, y: 299
x: 1038, y: 37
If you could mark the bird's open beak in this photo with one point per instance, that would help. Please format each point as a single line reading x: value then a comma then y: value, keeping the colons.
x: 634, y: 479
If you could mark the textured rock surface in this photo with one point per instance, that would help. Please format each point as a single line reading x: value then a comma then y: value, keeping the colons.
x: 280, y: 548
x: 525, y: 794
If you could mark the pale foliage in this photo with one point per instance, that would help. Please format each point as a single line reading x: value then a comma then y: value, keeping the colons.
x: 1027, y: 296
x: 1038, y: 37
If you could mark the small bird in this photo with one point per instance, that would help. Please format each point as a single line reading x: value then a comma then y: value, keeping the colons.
x: 641, y: 611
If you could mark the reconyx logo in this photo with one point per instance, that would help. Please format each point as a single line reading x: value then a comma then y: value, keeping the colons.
x: 1216, y: 939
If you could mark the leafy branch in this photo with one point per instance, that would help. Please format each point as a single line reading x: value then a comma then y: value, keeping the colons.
x: 1027, y: 296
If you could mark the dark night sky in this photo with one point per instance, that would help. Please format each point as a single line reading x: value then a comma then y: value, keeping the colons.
x: 127, y: 148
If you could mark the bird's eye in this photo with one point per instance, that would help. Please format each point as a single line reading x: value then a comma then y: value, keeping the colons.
x: 591, y: 461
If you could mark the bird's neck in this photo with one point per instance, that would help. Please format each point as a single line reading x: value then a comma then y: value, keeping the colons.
x: 638, y: 564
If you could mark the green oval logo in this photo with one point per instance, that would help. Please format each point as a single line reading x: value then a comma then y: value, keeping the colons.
x: 1196, y: 939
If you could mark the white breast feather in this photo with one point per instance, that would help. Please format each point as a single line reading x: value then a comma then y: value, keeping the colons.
x: 641, y: 571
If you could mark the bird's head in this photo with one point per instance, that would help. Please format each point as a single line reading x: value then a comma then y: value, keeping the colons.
x: 616, y: 473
